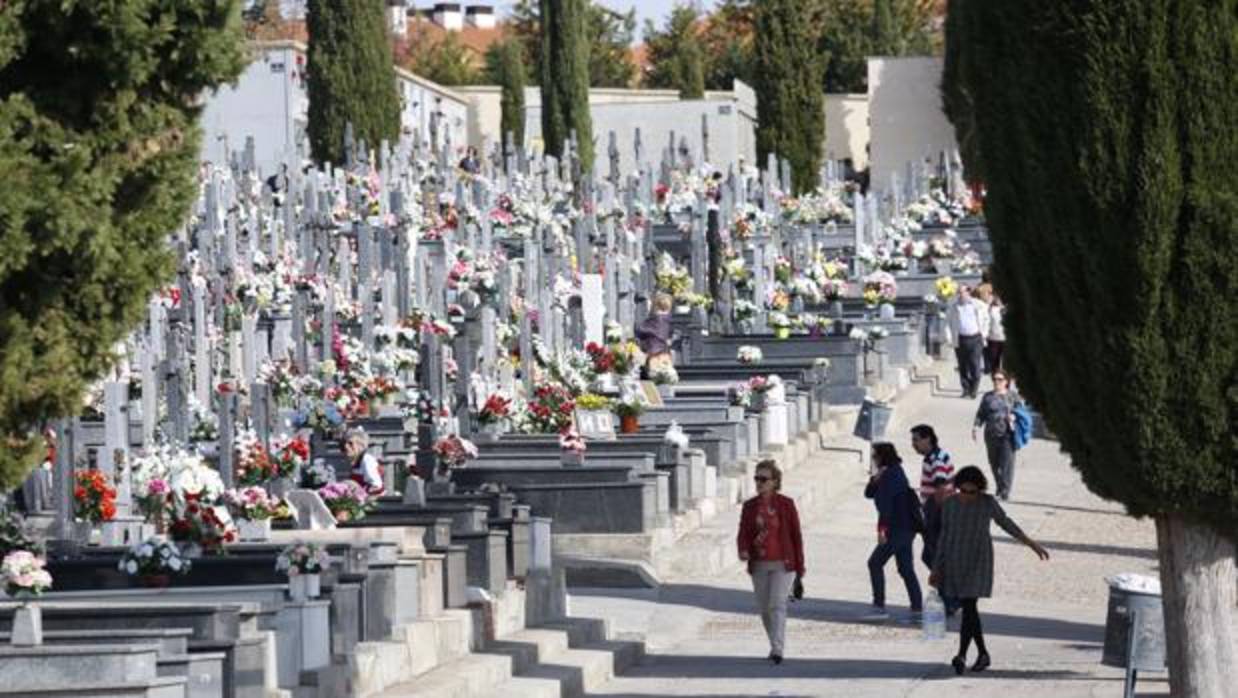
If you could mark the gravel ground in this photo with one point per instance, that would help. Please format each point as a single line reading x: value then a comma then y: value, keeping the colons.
x: 1045, y: 624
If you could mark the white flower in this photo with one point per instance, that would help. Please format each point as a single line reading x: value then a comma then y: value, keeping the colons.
x: 131, y: 567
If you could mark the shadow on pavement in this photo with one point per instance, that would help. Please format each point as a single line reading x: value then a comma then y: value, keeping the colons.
x: 727, y: 600
x: 1053, y: 545
x: 686, y: 666
x: 1064, y: 507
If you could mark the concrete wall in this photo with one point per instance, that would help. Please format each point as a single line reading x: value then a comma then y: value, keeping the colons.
x: 905, y: 116
x: 846, y: 128
x: 732, y: 120
x: 269, y: 102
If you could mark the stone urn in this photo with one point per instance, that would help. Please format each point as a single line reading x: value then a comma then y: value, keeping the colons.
x: 27, y: 630
x: 836, y: 309
x: 303, y: 587
x: 488, y: 433
x: 887, y: 311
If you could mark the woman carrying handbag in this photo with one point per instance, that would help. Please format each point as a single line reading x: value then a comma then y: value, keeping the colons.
x: 771, y: 542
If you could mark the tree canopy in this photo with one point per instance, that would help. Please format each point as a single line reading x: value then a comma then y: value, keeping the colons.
x: 608, y: 33
x: 675, y: 55
x: 565, y: 80
x: 99, y: 148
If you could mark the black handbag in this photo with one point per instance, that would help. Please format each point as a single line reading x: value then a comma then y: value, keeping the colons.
x: 797, y: 589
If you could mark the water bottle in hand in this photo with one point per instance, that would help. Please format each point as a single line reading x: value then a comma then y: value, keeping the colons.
x: 934, y: 617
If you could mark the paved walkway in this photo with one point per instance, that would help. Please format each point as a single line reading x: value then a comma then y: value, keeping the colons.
x: 1044, y: 626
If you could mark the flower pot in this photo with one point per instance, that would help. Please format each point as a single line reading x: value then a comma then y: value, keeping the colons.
x: 572, y: 459
x: 303, y: 587
x: 887, y: 311
x: 254, y: 531
x: 489, y: 433
x: 155, y: 581
x: 629, y: 424
x: 782, y: 332
x: 84, y: 532
x: 27, y: 628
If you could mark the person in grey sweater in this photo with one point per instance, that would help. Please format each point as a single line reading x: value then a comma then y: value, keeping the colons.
x: 996, y: 415
x: 963, y: 563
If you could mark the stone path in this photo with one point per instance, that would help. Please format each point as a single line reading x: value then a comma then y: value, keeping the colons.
x: 1044, y: 626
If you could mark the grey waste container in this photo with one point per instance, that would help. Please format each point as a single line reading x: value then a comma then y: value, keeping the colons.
x: 1134, y: 633
x: 871, y: 422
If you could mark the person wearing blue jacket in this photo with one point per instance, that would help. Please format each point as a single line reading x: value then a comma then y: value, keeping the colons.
x: 896, y: 532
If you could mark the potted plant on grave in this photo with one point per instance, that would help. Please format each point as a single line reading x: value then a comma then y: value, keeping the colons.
x: 740, y: 395
x: 880, y: 290
x: 946, y: 288
x: 551, y: 409
x: 347, y: 500
x: 492, y: 415
x: 252, y: 464
x: 453, y: 452
x: 744, y: 312
x: 253, y: 509
x: 302, y: 563
x: 572, y: 448
x: 781, y: 324
x: 629, y: 408
x: 665, y: 377
x: 24, y: 577
x: 833, y: 290
x: 760, y: 386
x: 749, y: 355
x: 94, y: 501
x: 154, y: 562
x: 201, y: 527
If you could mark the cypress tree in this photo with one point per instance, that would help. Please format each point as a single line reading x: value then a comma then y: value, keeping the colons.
x: 676, y: 57
x: 565, y: 78
x: 349, y: 77
x: 956, y: 100
x: 512, y: 79
x: 690, y: 70
x: 1107, y: 142
x: 885, y: 40
x: 98, y: 158
x: 790, y: 99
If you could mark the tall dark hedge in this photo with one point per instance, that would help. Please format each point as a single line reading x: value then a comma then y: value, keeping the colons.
x: 565, y: 78
x: 512, y: 79
x: 957, y: 103
x: 790, y: 98
x: 349, y: 77
x: 98, y: 159
x: 1106, y: 135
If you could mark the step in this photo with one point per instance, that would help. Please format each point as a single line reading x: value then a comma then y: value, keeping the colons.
x: 160, y: 687
x: 414, y: 649
x: 575, y: 672
x: 466, y: 677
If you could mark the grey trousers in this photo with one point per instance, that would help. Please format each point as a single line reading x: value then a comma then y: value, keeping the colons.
x: 970, y: 354
x: 1001, y: 462
x: 772, y: 583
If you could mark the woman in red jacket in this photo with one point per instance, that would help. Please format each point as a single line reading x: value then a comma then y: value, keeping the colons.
x: 770, y: 541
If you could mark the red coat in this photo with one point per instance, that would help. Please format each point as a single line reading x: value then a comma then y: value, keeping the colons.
x: 792, y: 539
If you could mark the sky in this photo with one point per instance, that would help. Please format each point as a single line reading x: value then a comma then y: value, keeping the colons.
x: 657, y: 10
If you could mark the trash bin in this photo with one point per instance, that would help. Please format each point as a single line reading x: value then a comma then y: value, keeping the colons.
x: 871, y: 422
x: 1134, y: 627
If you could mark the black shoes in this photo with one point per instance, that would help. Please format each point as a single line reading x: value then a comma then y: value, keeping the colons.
x: 959, y: 665
x: 775, y: 658
x: 982, y: 662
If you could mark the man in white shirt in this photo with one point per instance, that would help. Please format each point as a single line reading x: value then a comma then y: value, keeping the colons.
x: 969, y: 326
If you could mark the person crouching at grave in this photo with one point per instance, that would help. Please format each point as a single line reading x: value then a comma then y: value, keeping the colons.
x: 366, y: 470
x: 654, y: 334
x: 963, y: 563
x: 896, y: 529
x: 771, y: 543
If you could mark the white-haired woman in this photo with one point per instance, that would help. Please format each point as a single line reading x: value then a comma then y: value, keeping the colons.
x: 366, y: 470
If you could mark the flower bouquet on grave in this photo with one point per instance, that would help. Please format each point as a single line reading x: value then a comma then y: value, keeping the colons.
x: 154, y: 561
x: 696, y: 300
x: 199, y: 525
x: 749, y: 355
x: 94, y: 500
x: 805, y: 289
x: 781, y: 324
x: 253, y: 510
x: 628, y: 358
x: 203, y: 423
x: 601, y: 357
x: 281, y: 376
x: 551, y: 408
x: 289, y: 453
x: 494, y: 411
x: 783, y: 270
x: 24, y: 574
x: 880, y: 288
x: 739, y: 274
x: 317, y: 475
x: 629, y: 408
x: 760, y: 387
x: 664, y: 374
x: 322, y: 415
x: 347, y: 500
x: 572, y: 447
x: 302, y: 563
x: 740, y: 395
x: 946, y: 288
x: 833, y: 290
x: 454, y: 451
x: 253, y: 463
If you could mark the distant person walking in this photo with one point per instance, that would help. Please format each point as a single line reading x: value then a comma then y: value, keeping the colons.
x: 969, y: 326
x: 470, y: 163
x: 773, y: 546
x: 894, y: 499
x: 996, y: 346
x: 655, y: 332
x: 997, y: 415
x: 963, y: 565
x: 936, y: 460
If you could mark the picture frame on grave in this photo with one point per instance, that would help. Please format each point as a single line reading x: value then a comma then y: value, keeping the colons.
x: 595, y: 425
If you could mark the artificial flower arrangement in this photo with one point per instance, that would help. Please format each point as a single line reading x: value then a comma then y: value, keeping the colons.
x: 879, y: 287
x: 744, y: 310
x: 763, y: 384
x: 302, y: 558
x: 496, y: 408
x: 570, y: 440
x: 629, y: 405
x: 205, y: 525
x: 153, y: 557
x: 783, y: 270
x: 454, y: 451
x: 749, y: 355
x: 946, y: 287
x: 253, y: 464
x: 779, y: 320
x: 619, y: 358
x: 289, y: 453
x: 94, y: 500
x: 592, y: 402
x: 779, y: 300
x: 551, y: 409
x: 672, y: 278
x: 254, y: 504
x: 664, y: 374
x: 347, y: 500
x: 740, y: 395
x: 24, y: 574
x: 317, y: 475
x: 833, y: 289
